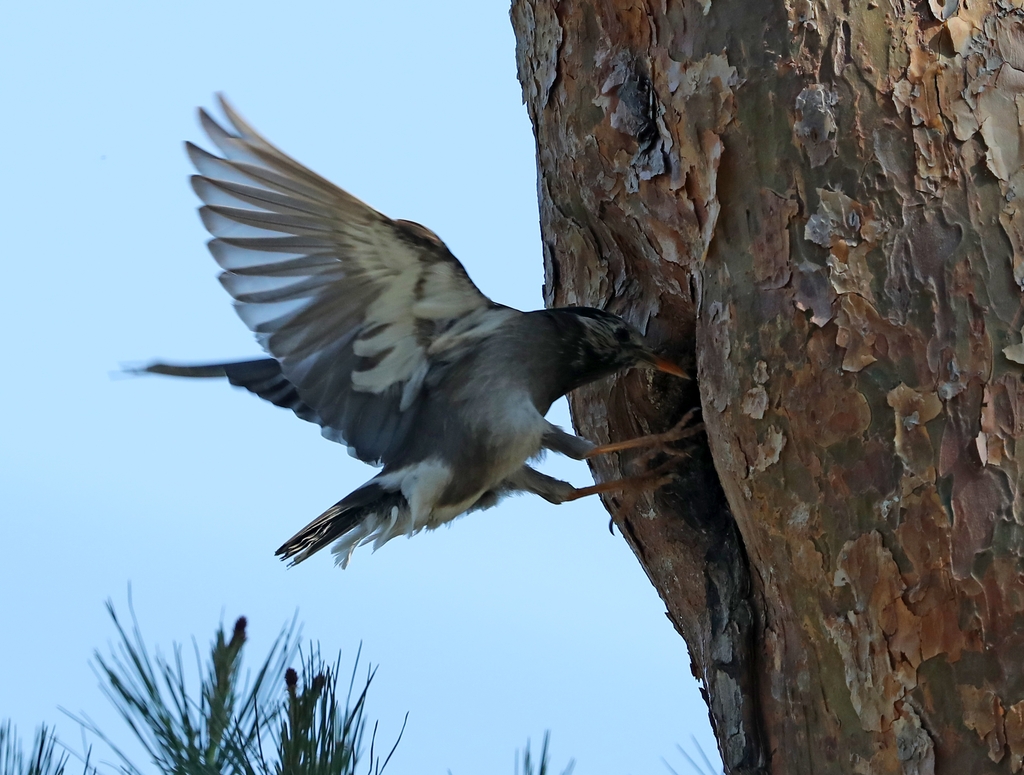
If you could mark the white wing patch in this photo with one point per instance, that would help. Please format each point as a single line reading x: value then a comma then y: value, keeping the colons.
x: 390, y: 332
x: 355, y: 307
x: 442, y: 296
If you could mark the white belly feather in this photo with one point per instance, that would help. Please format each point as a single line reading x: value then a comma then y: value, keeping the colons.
x: 513, y: 429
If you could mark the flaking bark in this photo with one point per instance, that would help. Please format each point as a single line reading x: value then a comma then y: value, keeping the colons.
x: 817, y: 206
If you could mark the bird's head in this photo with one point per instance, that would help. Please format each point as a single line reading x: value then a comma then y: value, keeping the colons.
x: 609, y: 343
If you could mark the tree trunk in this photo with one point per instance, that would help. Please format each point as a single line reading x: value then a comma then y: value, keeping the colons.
x: 815, y: 204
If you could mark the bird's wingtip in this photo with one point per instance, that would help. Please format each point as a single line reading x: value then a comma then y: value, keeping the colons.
x: 226, y: 106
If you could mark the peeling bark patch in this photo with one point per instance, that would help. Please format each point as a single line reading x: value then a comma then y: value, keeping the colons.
x: 860, y: 332
x: 1014, y: 726
x: 1015, y: 352
x: 915, y: 750
x: 925, y: 538
x: 943, y: 9
x: 1007, y: 400
x: 825, y: 408
x: 701, y: 104
x: 912, y: 411
x: 770, y: 246
x: 815, y: 127
x: 979, y: 90
x: 755, y: 402
x: 980, y: 501
x: 814, y: 293
x: 719, y: 374
x: 849, y: 230
x: 999, y: 127
x: 876, y: 639
x: 801, y: 15
x: 537, y: 48
x: 982, y: 498
x: 769, y: 450
x: 807, y: 560
x: 848, y: 270
x: 841, y: 48
x: 705, y: 197
x: 674, y: 134
x: 761, y: 372
x: 919, y: 93
x: 983, y: 713
x: 628, y: 97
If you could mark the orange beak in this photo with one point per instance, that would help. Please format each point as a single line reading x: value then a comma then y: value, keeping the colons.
x: 662, y: 364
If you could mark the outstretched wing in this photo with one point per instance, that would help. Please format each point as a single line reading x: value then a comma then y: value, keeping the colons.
x: 357, y: 308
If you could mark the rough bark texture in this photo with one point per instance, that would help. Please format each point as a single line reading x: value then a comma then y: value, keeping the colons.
x: 817, y: 205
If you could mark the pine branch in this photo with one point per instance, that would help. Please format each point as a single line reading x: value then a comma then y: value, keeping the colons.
x: 45, y: 758
x: 542, y: 765
x: 228, y: 725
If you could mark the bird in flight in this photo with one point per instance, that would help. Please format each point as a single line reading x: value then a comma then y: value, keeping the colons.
x: 376, y: 333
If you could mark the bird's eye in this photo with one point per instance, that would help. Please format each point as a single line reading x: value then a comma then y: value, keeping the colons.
x: 622, y: 335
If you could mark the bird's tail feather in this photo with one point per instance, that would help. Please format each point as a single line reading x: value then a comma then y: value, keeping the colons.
x: 261, y: 376
x: 371, y: 513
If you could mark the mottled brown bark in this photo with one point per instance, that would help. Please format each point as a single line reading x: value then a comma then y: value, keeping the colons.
x: 816, y: 205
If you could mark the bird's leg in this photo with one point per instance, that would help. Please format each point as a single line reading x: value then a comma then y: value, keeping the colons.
x: 528, y: 479
x: 641, y: 483
x: 553, y: 490
x: 682, y: 430
x: 557, y: 440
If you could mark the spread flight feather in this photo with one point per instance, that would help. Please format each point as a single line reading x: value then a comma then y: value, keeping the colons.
x: 354, y: 306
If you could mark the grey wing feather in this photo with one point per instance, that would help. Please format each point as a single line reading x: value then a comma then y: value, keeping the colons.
x: 355, y: 307
x: 262, y: 377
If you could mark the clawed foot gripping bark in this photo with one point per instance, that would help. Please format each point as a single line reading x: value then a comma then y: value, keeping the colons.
x: 660, y: 442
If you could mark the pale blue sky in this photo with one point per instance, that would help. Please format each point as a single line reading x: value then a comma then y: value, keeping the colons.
x: 515, y: 620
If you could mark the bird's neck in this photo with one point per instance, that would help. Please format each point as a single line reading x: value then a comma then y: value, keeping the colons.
x: 559, y: 356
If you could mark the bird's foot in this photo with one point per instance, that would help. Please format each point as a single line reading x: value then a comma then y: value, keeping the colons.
x: 658, y: 441
x: 683, y: 429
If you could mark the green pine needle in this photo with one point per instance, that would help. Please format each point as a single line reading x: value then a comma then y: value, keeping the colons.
x: 45, y: 759
x: 542, y: 765
x: 278, y: 722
